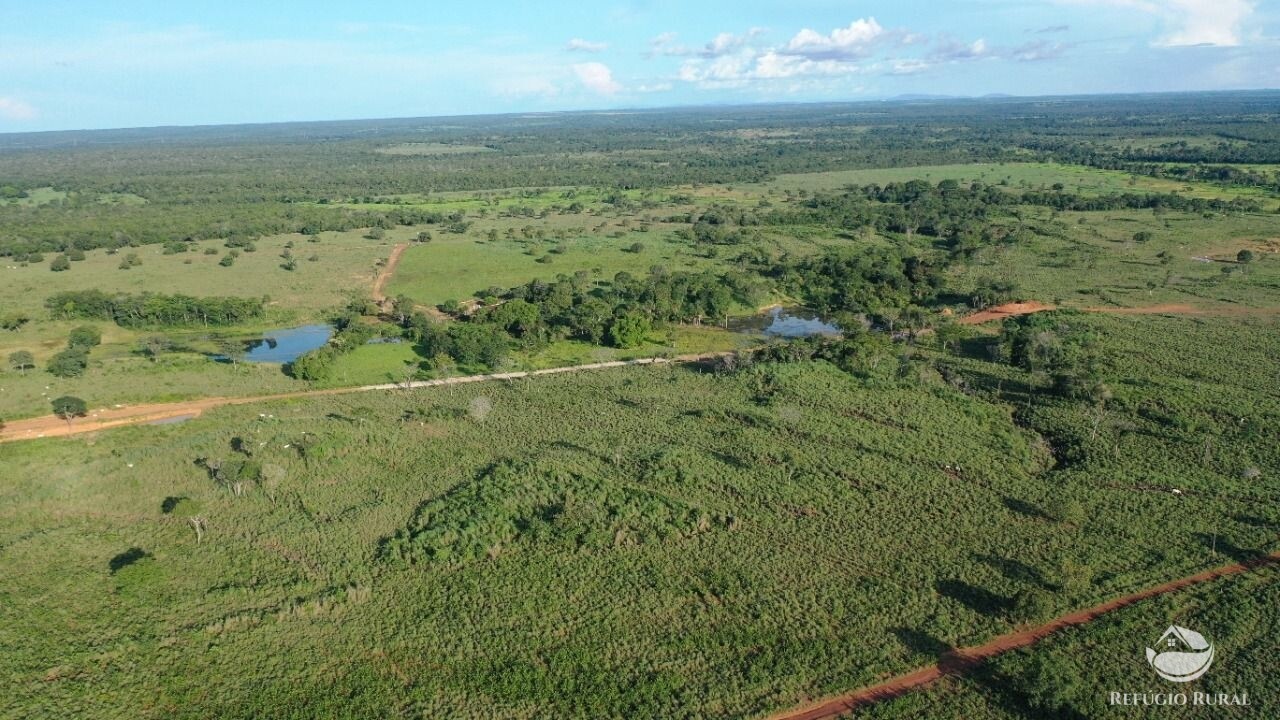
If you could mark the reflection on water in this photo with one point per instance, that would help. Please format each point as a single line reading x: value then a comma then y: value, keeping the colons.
x: 786, y: 323
x: 282, y: 346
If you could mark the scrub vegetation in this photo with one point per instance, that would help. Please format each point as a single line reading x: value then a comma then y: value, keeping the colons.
x: 786, y: 519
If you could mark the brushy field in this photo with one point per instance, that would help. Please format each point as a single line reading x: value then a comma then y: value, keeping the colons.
x: 1091, y: 260
x: 1076, y: 259
x: 645, y: 542
x: 1073, y: 673
x: 457, y: 267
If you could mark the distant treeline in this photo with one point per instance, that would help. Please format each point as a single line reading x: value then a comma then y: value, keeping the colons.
x: 53, y: 228
x: 147, y: 309
x: 947, y: 208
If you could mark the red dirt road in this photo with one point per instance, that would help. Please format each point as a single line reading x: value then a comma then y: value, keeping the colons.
x: 960, y: 661
x: 380, y: 284
x: 1001, y: 312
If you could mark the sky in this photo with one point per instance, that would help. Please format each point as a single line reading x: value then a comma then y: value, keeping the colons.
x: 134, y: 63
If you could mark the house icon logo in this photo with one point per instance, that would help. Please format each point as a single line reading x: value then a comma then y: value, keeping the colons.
x: 1181, y: 655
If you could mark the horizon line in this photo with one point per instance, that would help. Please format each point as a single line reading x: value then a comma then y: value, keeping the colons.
x: 900, y: 98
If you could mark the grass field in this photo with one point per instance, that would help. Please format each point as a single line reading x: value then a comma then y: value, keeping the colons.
x: 453, y: 267
x: 1092, y: 260
x: 701, y: 546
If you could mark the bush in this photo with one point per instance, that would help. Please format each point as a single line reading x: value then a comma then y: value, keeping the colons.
x: 60, y: 263
x: 68, y: 363
x: 84, y: 337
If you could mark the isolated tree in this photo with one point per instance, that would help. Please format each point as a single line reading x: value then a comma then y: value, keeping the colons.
x: 68, y: 363
x: 22, y: 361
x: 60, y: 263
x: 84, y: 337
x: 402, y: 308
x: 1244, y: 257
x: 232, y: 349
x: 154, y: 346
x: 69, y: 407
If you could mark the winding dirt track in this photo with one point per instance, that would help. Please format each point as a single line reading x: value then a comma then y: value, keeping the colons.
x: 960, y: 661
x: 159, y: 413
x: 380, y: 284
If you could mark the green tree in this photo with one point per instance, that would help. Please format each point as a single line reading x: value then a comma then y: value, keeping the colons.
x: 68, y: 363
x: 1031, y: 604
x: 402, y: 308
x: 69, y: 407
x: 629, y: 331
x: 60, y: 263
x: 232, y: 349
x: 1244, y: 257
x: 22, y: 361
x: 84, y: 337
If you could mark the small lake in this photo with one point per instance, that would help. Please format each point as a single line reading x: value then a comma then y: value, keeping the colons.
x: 282, y: 346
x: 785, y: 323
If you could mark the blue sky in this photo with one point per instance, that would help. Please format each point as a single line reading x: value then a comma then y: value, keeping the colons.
x: 130, y: 63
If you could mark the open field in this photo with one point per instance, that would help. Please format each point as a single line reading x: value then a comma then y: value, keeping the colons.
x: 456, y: 268
x: 697, y: 623
x: 1021, y: 386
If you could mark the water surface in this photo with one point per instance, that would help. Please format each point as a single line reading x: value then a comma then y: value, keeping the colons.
x: 786, y: 323
x: 282, y: 346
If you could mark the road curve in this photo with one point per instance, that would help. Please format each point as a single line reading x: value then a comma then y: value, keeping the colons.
x: 960, y: 661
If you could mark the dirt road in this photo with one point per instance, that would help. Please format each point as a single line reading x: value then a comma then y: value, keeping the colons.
x: 960, y: 661
x: 1001, y: 312
x: 103, y: 418
x: 384, y: 277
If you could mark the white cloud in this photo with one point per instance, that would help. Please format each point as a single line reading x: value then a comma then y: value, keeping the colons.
x: 597, y: 77
x: 772, y: 65
x: 952, y: 51
x: 14, y: 109
x: 1189, y: 22
x: 855, y: 41
x: 580, y: 45
x: 725, y: 43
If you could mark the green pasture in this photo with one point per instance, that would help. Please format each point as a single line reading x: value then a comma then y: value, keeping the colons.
x: 829, y: 531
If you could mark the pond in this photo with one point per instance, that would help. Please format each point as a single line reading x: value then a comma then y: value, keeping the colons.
x: 282, y: 346
x: 786, y: 323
